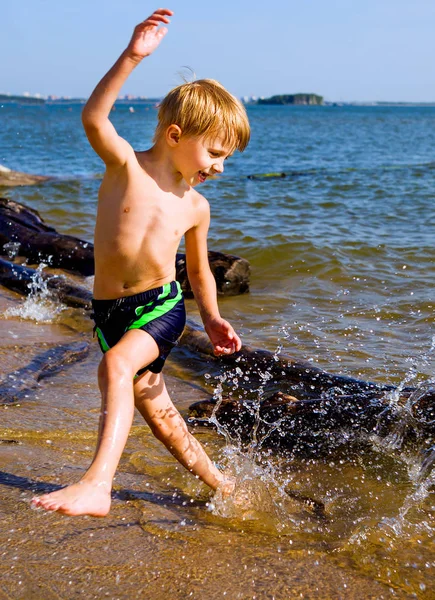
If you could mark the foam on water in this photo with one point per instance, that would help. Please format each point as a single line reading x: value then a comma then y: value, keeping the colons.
x: 39, y: 305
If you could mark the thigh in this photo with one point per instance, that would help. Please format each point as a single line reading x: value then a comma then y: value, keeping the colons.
x: 136, y: 348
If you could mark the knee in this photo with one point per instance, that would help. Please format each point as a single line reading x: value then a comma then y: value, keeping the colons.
x: 114, y: 368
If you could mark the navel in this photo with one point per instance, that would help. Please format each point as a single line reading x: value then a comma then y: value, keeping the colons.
x: 125, y: 286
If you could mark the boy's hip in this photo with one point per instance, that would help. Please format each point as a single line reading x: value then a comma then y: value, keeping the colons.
x: 141, y: 298
x: 161, y: 308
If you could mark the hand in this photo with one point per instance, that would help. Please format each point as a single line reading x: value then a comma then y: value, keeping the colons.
x: 223, y: 337
x: 147, y: 35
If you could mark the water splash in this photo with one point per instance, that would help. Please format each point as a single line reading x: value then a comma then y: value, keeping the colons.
x: 39, y: 305
x: 404, y: 411
x: 251, y: 498
x: 12, y: 249
x: 264, y: 481
x: 263, y: 488
x: 416, y: 458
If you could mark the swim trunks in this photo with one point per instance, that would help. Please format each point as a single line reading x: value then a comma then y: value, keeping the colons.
x: 160, y: 312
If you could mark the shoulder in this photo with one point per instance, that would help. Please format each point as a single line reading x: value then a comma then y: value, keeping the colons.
x: 125, y: 167
x: 200, y: 205
x: 200, y: 215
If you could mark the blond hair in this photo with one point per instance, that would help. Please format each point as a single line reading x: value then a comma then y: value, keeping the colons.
x: 205, y: 108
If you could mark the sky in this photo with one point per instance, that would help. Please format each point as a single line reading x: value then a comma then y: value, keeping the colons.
x: 344, y: 50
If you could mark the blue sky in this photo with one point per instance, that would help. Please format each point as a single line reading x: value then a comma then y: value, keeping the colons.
x: 342, y: 49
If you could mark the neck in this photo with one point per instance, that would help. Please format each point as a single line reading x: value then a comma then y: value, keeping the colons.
x: 161, y: 166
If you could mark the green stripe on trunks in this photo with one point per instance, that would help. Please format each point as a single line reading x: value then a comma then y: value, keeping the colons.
x: 104, y: 345
x: 159, y: 310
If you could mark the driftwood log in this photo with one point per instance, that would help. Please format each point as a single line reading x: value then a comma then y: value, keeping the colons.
x: 23, y: 232
x: 279, y: 175
x: 304, y: 409
x: 16, y: 385
x: 314, y: 427
x: 22, y: 279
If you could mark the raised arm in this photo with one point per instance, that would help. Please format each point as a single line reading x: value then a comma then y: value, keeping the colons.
x: 222, y: 335
x: 102, y: 135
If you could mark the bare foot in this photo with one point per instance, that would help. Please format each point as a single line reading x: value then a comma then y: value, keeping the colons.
x: 226, y: 488
x: 238, y: 497
x: 81, y: 498
x: 231, y: 500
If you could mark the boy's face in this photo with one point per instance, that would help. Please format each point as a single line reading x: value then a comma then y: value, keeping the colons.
x: 201, y: 158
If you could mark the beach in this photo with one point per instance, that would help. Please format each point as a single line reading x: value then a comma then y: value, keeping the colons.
x: 342, y: 259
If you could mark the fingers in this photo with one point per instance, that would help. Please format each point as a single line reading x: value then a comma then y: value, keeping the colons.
x: 164, y: 11
x: 237, y: 342
x: 228, y: 348
x: 225, y: 340
x: 159, y: 16
x: 162, y: 31
x: 219, y: 350
x: 232, y: 344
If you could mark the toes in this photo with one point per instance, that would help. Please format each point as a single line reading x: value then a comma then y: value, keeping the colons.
x: 45, y: 502
x: 51, y: 505
x: 38, y: 501
x: 48, y: 505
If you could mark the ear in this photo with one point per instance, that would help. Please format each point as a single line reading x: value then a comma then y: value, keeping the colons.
x: 173, y: 135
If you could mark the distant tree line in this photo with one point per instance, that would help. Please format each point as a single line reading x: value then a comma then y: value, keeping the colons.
x: 302, y: 99
x: 21, y: 99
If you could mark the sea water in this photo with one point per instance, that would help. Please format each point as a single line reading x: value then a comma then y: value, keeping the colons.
x: 342, y: 257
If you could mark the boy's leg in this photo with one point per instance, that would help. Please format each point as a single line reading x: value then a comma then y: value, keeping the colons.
x: 153, y: 402
x: 91, y: 495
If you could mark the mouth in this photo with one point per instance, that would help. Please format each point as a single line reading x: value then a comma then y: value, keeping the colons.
x: 202, y: 176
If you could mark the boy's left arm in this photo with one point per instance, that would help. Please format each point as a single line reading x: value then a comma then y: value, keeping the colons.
x: 222, y: 335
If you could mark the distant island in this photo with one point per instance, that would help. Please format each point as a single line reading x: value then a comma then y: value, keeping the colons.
x: 299, y: 99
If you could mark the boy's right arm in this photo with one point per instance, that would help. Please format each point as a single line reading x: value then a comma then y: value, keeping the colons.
x: 102, y: 135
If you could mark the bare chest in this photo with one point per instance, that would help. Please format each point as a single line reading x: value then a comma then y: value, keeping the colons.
x: 135, y: 215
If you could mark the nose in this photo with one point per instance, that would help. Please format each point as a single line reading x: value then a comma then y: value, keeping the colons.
x: 218, y: 166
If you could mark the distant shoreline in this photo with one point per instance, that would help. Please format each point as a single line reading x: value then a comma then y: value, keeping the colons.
x: 15, y: 99
x: 381, y: 103
x: 34, y: 100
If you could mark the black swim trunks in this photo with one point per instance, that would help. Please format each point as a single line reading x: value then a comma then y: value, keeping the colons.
x: 160, y: 312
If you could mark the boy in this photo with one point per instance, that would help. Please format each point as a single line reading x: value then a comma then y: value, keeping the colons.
x: 146, y: 204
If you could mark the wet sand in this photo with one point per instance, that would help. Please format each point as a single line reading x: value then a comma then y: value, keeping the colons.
x: 160, y: 539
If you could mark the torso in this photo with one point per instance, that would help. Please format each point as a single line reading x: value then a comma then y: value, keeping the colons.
x: 138, y: 230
